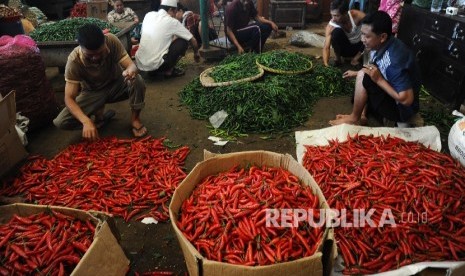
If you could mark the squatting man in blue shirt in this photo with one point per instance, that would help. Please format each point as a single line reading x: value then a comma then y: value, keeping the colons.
x: 389, y: 86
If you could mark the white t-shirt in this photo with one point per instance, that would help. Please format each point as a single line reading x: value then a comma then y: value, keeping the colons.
x: 158, y: 31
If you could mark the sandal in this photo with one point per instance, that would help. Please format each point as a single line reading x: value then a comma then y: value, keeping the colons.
x: 139, y: 132
x: 107, y: 116
x: 176, y: 73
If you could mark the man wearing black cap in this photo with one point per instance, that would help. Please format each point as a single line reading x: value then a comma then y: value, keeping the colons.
x: 99, y: 71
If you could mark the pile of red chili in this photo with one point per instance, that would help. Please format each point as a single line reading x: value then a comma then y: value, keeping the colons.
x: 79, y: 10
x: 225, y: 217
x: 423, y: 189
x: 129, y: 178
x: 44, y: 243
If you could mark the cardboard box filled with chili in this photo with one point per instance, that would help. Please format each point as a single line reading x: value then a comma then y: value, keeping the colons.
x: 44, y: 239
x: 234, y: 214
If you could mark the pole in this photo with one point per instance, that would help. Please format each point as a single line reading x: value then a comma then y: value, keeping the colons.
x: 204, y: 20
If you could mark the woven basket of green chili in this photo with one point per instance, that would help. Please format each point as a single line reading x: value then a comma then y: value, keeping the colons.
x: 283, y: 62
x: 208, y: 81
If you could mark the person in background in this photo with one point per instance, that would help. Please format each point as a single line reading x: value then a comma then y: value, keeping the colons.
x: 126, y: 14
x: 27, y: 26
x: 102, y: 67
x: 343, y: 34
x: 164, y: 40
x: 135, y: 39
x: 239, y: 13
x: 121, y: 13
x: 389, y: 86
x: 394, y: 9
x: 192, y: 22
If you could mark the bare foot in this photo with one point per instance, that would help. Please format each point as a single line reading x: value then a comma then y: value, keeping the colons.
x: 363, y: 121
x: 344, y: 119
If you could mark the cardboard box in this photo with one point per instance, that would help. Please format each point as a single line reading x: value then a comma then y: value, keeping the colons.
x: 11, y: 149
x: 104, y: 256
x: 198, y: 265
x: 97, y: 9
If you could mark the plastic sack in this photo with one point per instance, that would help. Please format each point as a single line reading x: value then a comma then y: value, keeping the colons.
x: 21, y: 126
x: 307, y: 39
x: 20, y: 57
x: 218, y: 118
x: 17, y: 46
x: 456, y: 139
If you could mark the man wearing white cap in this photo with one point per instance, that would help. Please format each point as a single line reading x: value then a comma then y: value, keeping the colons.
x: 164, y: 40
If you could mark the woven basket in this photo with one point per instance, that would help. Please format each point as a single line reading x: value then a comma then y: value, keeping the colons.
x: 208, y: 81
x: 278, y: 71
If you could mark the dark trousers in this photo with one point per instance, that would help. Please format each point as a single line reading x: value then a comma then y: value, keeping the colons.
x: 380, y: 104
x: 176, y: 50
x: 254, y: 36
x: 342, y: 46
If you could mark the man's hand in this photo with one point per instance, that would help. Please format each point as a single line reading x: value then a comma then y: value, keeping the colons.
x: 349, y: 74
x: 89, y: 131
x: 274, y: 26
x: 240, y: 50
x: 129, y: 74
x: 372, y: 71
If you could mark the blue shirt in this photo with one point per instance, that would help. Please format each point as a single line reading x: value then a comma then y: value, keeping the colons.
x: 397, y: 64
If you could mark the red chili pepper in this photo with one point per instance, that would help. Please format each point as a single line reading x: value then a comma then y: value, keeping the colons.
x: 18, y: 251
x: 237, y: 195
x: 410, y: 179
x: 6, y: 238
x: 107, y: 161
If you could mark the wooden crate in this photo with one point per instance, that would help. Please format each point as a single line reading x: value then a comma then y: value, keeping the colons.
x: 97, y: 9
x: 288, y: 13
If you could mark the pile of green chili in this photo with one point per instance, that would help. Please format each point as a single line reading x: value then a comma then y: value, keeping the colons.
x: 284, y: 61
x: 235, y: 67
x: 66, y: 29
x: 276, y: 103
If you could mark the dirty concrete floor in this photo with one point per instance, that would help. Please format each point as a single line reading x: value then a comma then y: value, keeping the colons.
x: 154, y: 247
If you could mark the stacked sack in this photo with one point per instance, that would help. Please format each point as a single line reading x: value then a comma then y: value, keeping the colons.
x: 23, y: 70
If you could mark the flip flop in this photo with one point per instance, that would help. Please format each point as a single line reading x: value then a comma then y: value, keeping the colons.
x: 107, y: 116
x: 176, y: 73
x: 136, y: 131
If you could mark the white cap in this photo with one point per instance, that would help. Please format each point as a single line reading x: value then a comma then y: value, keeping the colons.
x: 169, y: 3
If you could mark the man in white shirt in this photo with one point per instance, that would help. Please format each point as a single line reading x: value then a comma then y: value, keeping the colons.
x: 164, y: 40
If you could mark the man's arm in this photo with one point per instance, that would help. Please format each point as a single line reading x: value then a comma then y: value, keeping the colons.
x: 233, y: 39
x: 327, y: 45
x: 136, y: 18
x: 405, y: 97
x: 357, y: 16
x: 89, y: 131
x: 130, y: 69
x: 195, y: 48
x: 110, y: 17
x: 266, y: 21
